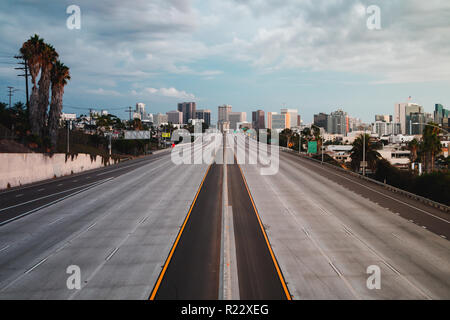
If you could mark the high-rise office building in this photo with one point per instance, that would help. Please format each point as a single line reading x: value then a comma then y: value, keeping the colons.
x: 402, y: 112
x: 235, y: 118
x: 383, y: 117
x: 291, y: 117
x: 258, y: 121
x: 276, y: 121
x: 175, y: 117
x: 224, y: 112
x: 204, y: 115
x: 323, y: 120
x: 188, y: 109
x: 441, y: 116
x: 339, y: 122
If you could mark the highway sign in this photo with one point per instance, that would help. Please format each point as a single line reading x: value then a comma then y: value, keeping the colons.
x: 312, y: 147
x: 137, y: 135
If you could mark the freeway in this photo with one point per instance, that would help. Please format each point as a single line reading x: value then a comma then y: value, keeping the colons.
x: 166, y: 227
x: 118, y: 233
x: 326, y: 229
x: 20, y: 201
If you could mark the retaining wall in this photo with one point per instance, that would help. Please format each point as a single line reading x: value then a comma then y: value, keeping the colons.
x: 22, y: 168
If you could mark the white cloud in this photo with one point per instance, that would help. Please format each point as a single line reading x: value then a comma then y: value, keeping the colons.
x: 165, y: 92
x: 103, y: 92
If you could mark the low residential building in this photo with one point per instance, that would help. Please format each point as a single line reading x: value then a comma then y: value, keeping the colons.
x: 340, y: 153
x: 397, y: 157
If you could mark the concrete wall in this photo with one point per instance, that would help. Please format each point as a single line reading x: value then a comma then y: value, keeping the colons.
x: 22, y: 168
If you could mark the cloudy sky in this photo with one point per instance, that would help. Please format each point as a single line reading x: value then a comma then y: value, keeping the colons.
x: 311, y: 55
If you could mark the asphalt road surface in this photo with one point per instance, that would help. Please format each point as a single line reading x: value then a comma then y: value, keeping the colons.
x: 193, y: 271
x: 258, y: 276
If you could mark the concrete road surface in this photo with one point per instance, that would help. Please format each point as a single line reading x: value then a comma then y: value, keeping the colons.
x: 325, y: 234
x: 118, y: 233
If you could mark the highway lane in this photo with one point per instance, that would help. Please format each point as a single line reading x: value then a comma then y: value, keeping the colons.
x: 421, y: 214
x: 119, y: 233
x: 193, y: 272
x: 257, y: 271
x: 325, y: 236
x: 20, y: 201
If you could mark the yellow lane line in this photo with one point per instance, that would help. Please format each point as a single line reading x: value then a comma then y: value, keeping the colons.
x: 277, y: 267
x: 166, y: 264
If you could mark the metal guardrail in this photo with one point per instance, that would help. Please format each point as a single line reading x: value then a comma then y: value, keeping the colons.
x: 410, y: 195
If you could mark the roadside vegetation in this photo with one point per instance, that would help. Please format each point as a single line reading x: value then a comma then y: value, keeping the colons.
x: 433, y: 184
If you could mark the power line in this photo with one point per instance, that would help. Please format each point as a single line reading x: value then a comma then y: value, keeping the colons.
x: 11, y: 91
x: 129, y: 111
x: 25, y: 75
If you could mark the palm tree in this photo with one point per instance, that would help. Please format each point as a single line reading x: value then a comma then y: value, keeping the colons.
x: 48, y: 60
x: 413, y: 146
x: 31, y: 52
x: 431, y: 145
x: 372, y: 156
x: 59, y: 76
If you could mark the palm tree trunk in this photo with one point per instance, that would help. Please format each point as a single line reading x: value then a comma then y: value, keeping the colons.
x: 44, y: 89
x: 33, y: 111
x: 55, y: 113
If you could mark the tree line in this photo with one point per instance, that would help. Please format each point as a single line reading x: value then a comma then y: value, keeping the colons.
x: 43, y: 61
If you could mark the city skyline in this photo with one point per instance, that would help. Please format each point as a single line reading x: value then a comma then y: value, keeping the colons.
x: 270, y: 57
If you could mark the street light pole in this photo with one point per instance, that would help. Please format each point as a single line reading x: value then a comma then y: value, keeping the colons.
x: 68, y: 132
x: 364, y: 152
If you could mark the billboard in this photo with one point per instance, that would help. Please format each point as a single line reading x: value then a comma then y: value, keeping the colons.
x: 136, y: 135
x: 312, y: 147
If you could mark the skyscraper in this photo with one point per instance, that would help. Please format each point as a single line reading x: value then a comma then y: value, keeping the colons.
x: 323, y: 120
x: 175, y: 117
x: 188, y: 109
x: 339, y: 122
x: 402, y: 112
x: 204, y: 115
x: 291, y: 117
x: 235, y: 118
x: 224, y: 112
x: 258, y: 121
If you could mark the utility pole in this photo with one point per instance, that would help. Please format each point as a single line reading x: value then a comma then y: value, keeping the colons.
x: 26, y: 74
x: 129, y: 110
x: 11, y: 91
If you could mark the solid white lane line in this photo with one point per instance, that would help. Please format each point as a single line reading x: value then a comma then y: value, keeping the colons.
x: 36, y: 265
x: 392, y: 198
x: 121, y: 168
x: 379, y: 255
x: 111, y: 254
x: 50, y: 203
x: 48, y: 196
x: 55, y: 221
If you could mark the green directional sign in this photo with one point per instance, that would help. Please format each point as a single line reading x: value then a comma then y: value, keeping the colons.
x: 312, y: 147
